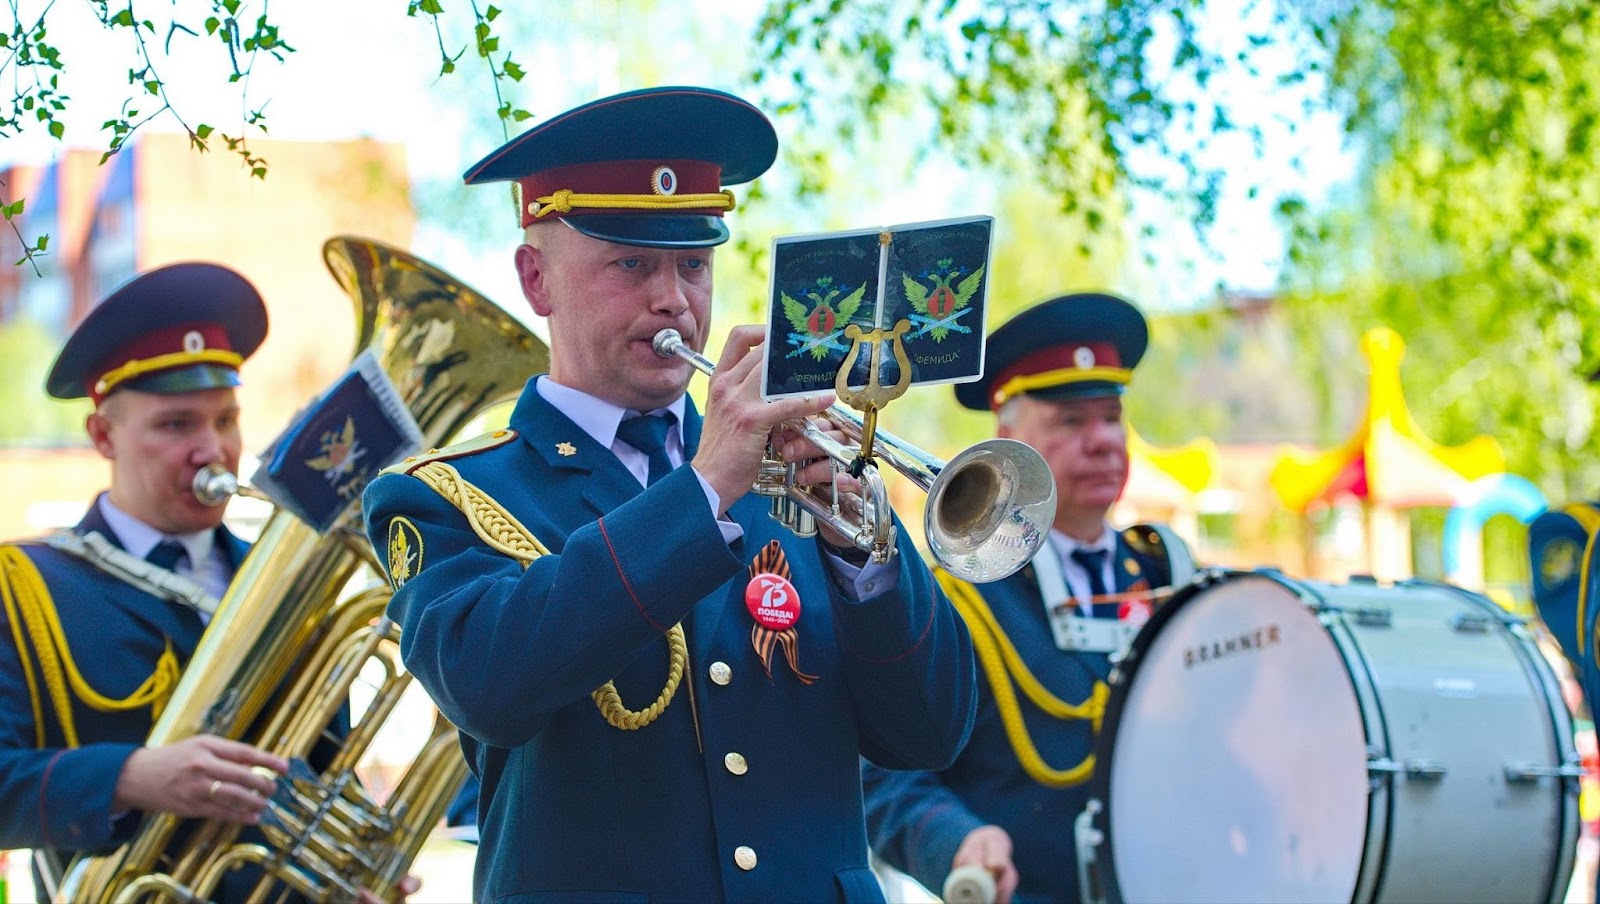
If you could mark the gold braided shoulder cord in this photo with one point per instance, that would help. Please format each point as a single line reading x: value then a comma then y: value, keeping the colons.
x: 1003, y: 666
x: 503, y: 532
x: 28, y: 605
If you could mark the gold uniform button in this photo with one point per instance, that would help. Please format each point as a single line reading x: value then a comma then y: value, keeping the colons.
x: 736, y: 763
x: 721, y: 673
x: 745, y: 857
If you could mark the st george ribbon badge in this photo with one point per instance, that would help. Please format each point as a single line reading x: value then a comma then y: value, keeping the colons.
x: 775, y: 605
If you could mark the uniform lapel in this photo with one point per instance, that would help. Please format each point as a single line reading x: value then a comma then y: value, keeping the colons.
x: 1130, y: 568
x: 573, y: 453
x: 94, y: 522
x: 706, y: 621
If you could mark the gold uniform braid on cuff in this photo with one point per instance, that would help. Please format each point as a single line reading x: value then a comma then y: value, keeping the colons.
x: 504, y: 533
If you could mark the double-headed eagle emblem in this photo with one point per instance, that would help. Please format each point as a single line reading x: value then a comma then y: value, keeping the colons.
x: 941, y: 305
x: 818, y: 325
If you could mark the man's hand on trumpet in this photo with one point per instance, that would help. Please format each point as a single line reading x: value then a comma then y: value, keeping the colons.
x: 817, y: 469
x: 738, y: 421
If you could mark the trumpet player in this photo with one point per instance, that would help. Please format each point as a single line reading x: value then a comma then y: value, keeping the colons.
x: 663, y: 692
x: 1054, y: 378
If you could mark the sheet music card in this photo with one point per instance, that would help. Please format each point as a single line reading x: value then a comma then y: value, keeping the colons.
x: 326, y: 456
x: 933, y: 276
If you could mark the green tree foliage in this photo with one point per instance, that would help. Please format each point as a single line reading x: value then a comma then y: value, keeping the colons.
x: 28, y: 415
x: 1468, y: 230
x: 32, y: 63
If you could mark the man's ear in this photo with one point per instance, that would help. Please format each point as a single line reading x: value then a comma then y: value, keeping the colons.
x: 534, y: 275
x: 98, y: 426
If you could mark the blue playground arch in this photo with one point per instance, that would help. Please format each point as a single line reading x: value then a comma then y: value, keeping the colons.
x: 1490, y: 495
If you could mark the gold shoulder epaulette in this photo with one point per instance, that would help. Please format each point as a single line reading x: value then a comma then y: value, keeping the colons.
x: 1142, y: 538
x: 458, y: 450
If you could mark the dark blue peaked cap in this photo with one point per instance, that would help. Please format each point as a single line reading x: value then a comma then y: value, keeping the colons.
x: 178, y: 328
x: 641, y: 168
x: 1072, y: 346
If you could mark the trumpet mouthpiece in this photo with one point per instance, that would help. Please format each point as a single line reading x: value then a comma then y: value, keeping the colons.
x: 666, y: 342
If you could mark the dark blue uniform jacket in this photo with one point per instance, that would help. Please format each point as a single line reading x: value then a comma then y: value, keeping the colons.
x: 60, y: 798
x: 573, y: 808
x: 917, y: 819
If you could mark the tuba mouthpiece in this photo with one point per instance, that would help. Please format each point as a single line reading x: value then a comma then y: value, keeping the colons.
x: 214, y: 485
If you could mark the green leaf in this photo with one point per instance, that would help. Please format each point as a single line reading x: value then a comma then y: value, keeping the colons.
x: 153, y: 87
x: 212, y: 24
x: 57, y: 129
x: 513, y: 71
x: 490, y: 14
x: 202, y: 131
x: 123, y: 17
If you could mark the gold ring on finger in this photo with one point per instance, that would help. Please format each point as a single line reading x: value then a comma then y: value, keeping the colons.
x: 215, y: 784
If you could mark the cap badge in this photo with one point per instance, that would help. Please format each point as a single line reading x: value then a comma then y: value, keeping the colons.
x: 775, y: 605
x: 1083, y: 357
x: 664, y: 181
x: 194, y: 342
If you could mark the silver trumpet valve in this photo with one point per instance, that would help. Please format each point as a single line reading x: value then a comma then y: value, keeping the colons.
x: 989, y: 509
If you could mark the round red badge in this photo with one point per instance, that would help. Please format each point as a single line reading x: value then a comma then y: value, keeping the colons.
x: 772, y: 601
x: 1135, y: 612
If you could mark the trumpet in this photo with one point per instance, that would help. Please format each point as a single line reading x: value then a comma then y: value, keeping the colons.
x: 989, y: 509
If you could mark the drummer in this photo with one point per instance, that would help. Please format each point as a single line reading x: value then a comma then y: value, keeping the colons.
x: 1004, y: 810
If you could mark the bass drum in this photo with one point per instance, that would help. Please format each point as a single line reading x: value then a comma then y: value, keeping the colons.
x: 1268, y: 740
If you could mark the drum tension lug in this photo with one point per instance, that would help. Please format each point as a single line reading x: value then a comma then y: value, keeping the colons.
x: 1527, y: 773
x: 1373, y: 617
x: 1419, y: 770
x: 1470, y: 622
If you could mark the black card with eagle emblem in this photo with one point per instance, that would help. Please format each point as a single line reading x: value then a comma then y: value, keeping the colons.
x: 323, y: 460
x: 923, y: 285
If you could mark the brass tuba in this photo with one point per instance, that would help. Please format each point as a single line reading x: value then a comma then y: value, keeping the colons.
x: 451, y: 353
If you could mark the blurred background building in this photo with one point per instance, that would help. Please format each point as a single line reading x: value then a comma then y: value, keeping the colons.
x: 157, y: 202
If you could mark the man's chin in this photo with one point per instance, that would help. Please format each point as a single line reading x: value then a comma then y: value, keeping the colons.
x: 193, y: 522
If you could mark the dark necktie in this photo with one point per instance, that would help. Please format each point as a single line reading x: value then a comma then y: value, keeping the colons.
x: 648, y: 434
x: 1092, y: 561
x: 167, y: 554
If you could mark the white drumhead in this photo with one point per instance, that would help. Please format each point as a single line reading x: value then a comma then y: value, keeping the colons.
x: 1238, y: 767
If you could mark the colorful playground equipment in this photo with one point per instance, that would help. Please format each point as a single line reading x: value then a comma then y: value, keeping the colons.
x: 1484, y: 498
x: 1165, y: 482
x: 1386, y: 464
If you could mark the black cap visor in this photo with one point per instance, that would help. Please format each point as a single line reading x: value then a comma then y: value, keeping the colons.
x: 194, y: 378
x: 652, y: 230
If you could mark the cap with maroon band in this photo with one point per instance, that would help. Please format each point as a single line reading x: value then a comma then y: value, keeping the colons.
x: 1072, y: 346
x: 643, y: 168
x: 179, y: 328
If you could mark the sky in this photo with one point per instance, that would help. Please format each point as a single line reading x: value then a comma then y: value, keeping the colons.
x: 363, y: 69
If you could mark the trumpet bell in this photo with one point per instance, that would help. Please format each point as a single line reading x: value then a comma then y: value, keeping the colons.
x: 989, y: 510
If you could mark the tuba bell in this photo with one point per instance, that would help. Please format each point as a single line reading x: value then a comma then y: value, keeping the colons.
x: 451, y: 353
